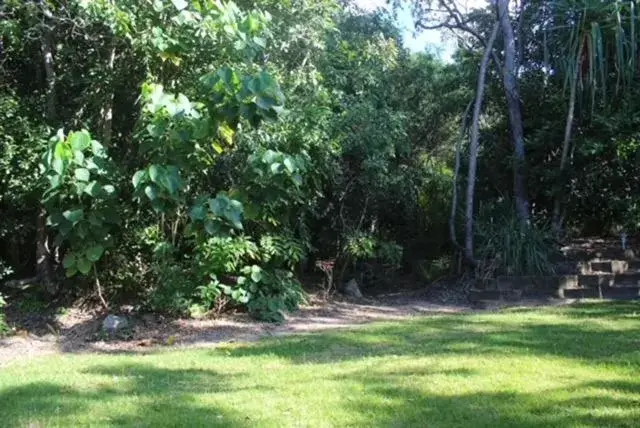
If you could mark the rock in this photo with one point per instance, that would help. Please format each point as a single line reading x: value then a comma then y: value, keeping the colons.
x: 114, y: 323
x: 351, y: 289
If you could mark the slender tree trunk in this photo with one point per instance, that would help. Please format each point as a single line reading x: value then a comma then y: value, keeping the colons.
x: 511, y: 89
x: 46, y: 47
x: 566, y: 142
x: 474, y: 142
x: 464, y: 126
x: 107, y: 109
x: 43, y: 256
x: 44, y: 272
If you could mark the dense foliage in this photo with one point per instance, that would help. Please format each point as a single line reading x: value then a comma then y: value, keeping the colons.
x: 194, y: 155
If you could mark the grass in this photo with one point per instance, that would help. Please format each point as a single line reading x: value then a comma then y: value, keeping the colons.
x: 553, y: 367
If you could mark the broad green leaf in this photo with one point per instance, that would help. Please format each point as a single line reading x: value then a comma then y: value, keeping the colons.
x: 138, y: 177
x: 93, y: 189
x: 55, y: 219
x: 71, y: 271
x: 82, y: 174
x: 58, y: 166
x: 97, y: 148
x: 235, y: 218
x: 78, y: 157
x: 84, y: 265
x: 151, y: 192
x: 74, y: 216
x: 179, y: 4
x: 197, y: 212
x: 94, y: 253
x: 288, y: 163
x: 69, y: 261
x: 80, y: 188
x: 256, y: 273
x: 155, y: 172
x: 270, y: 156
x: 94, y: 220
x: 275, y: 167
x: 218, y: 205
x: 80, y: 140
x: 109, y: 189
x: 265, y: 102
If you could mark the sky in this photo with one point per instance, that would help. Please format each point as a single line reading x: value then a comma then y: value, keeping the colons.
x: 431, y: 40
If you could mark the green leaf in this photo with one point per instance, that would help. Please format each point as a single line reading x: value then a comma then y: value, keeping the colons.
x: 78, y: 157
x: 256, y: 273
x: 218, y: 205
x: 94, y: 220
x: 109, y: 189
x: 94, y: 253
x: 58, y: 166
x: 155, y: 173
x: 197, y: 212
x: 69, y: 261
x: 288, y: 163
x: 266, y: 102
x: 84, y: 265
x: 93, y: 189
x: 179, y: 4
x: 138, y: 177
x: 74, y: 216
x: 275, y: 167
x: 82, y: 174
x: 235, y: 218
x: 80, y: 188
x: 79, y: 140
x: 97, y: 148
x: 71, y: 271
x: 151, y: 192
x: 55, y: 219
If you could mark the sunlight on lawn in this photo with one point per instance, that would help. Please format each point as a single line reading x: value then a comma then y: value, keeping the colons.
x: 571, y: 366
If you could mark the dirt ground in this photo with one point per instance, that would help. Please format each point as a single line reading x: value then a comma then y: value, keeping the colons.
x: 80, y: 332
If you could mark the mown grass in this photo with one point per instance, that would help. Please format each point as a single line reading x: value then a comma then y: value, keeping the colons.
x: 554, y: 367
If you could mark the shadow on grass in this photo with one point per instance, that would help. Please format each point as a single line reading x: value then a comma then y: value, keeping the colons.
x: 407, y: 407
x: 575, y: 332
x: 164, y: 397
x: 589, y: 333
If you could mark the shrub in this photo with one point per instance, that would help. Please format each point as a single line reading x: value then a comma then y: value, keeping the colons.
x: 506, y: 248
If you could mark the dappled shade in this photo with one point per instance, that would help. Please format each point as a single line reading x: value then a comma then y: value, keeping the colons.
x: 561, y: 366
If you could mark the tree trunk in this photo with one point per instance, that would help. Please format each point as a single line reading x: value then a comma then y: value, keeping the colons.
x: 107, y: 109
x: 464, y: 126
x: 511, y: 89
x: 474, y: 142
x: 43, y: 256
x: 566, y: 142
x: 44, y: 273
x: 46, y: 47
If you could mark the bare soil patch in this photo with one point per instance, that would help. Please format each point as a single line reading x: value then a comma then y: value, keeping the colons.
x: 80, y: 332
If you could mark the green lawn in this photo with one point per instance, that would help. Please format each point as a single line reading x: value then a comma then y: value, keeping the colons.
x: 565, y: 367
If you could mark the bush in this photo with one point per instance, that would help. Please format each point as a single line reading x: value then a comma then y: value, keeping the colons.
x: 505, y: 248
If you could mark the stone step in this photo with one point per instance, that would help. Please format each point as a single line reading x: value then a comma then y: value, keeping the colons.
x: 598, y: 266
x: 627, y: 293
x: 513, y: 288
x: 603, y: 293
x: 609, y: 280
